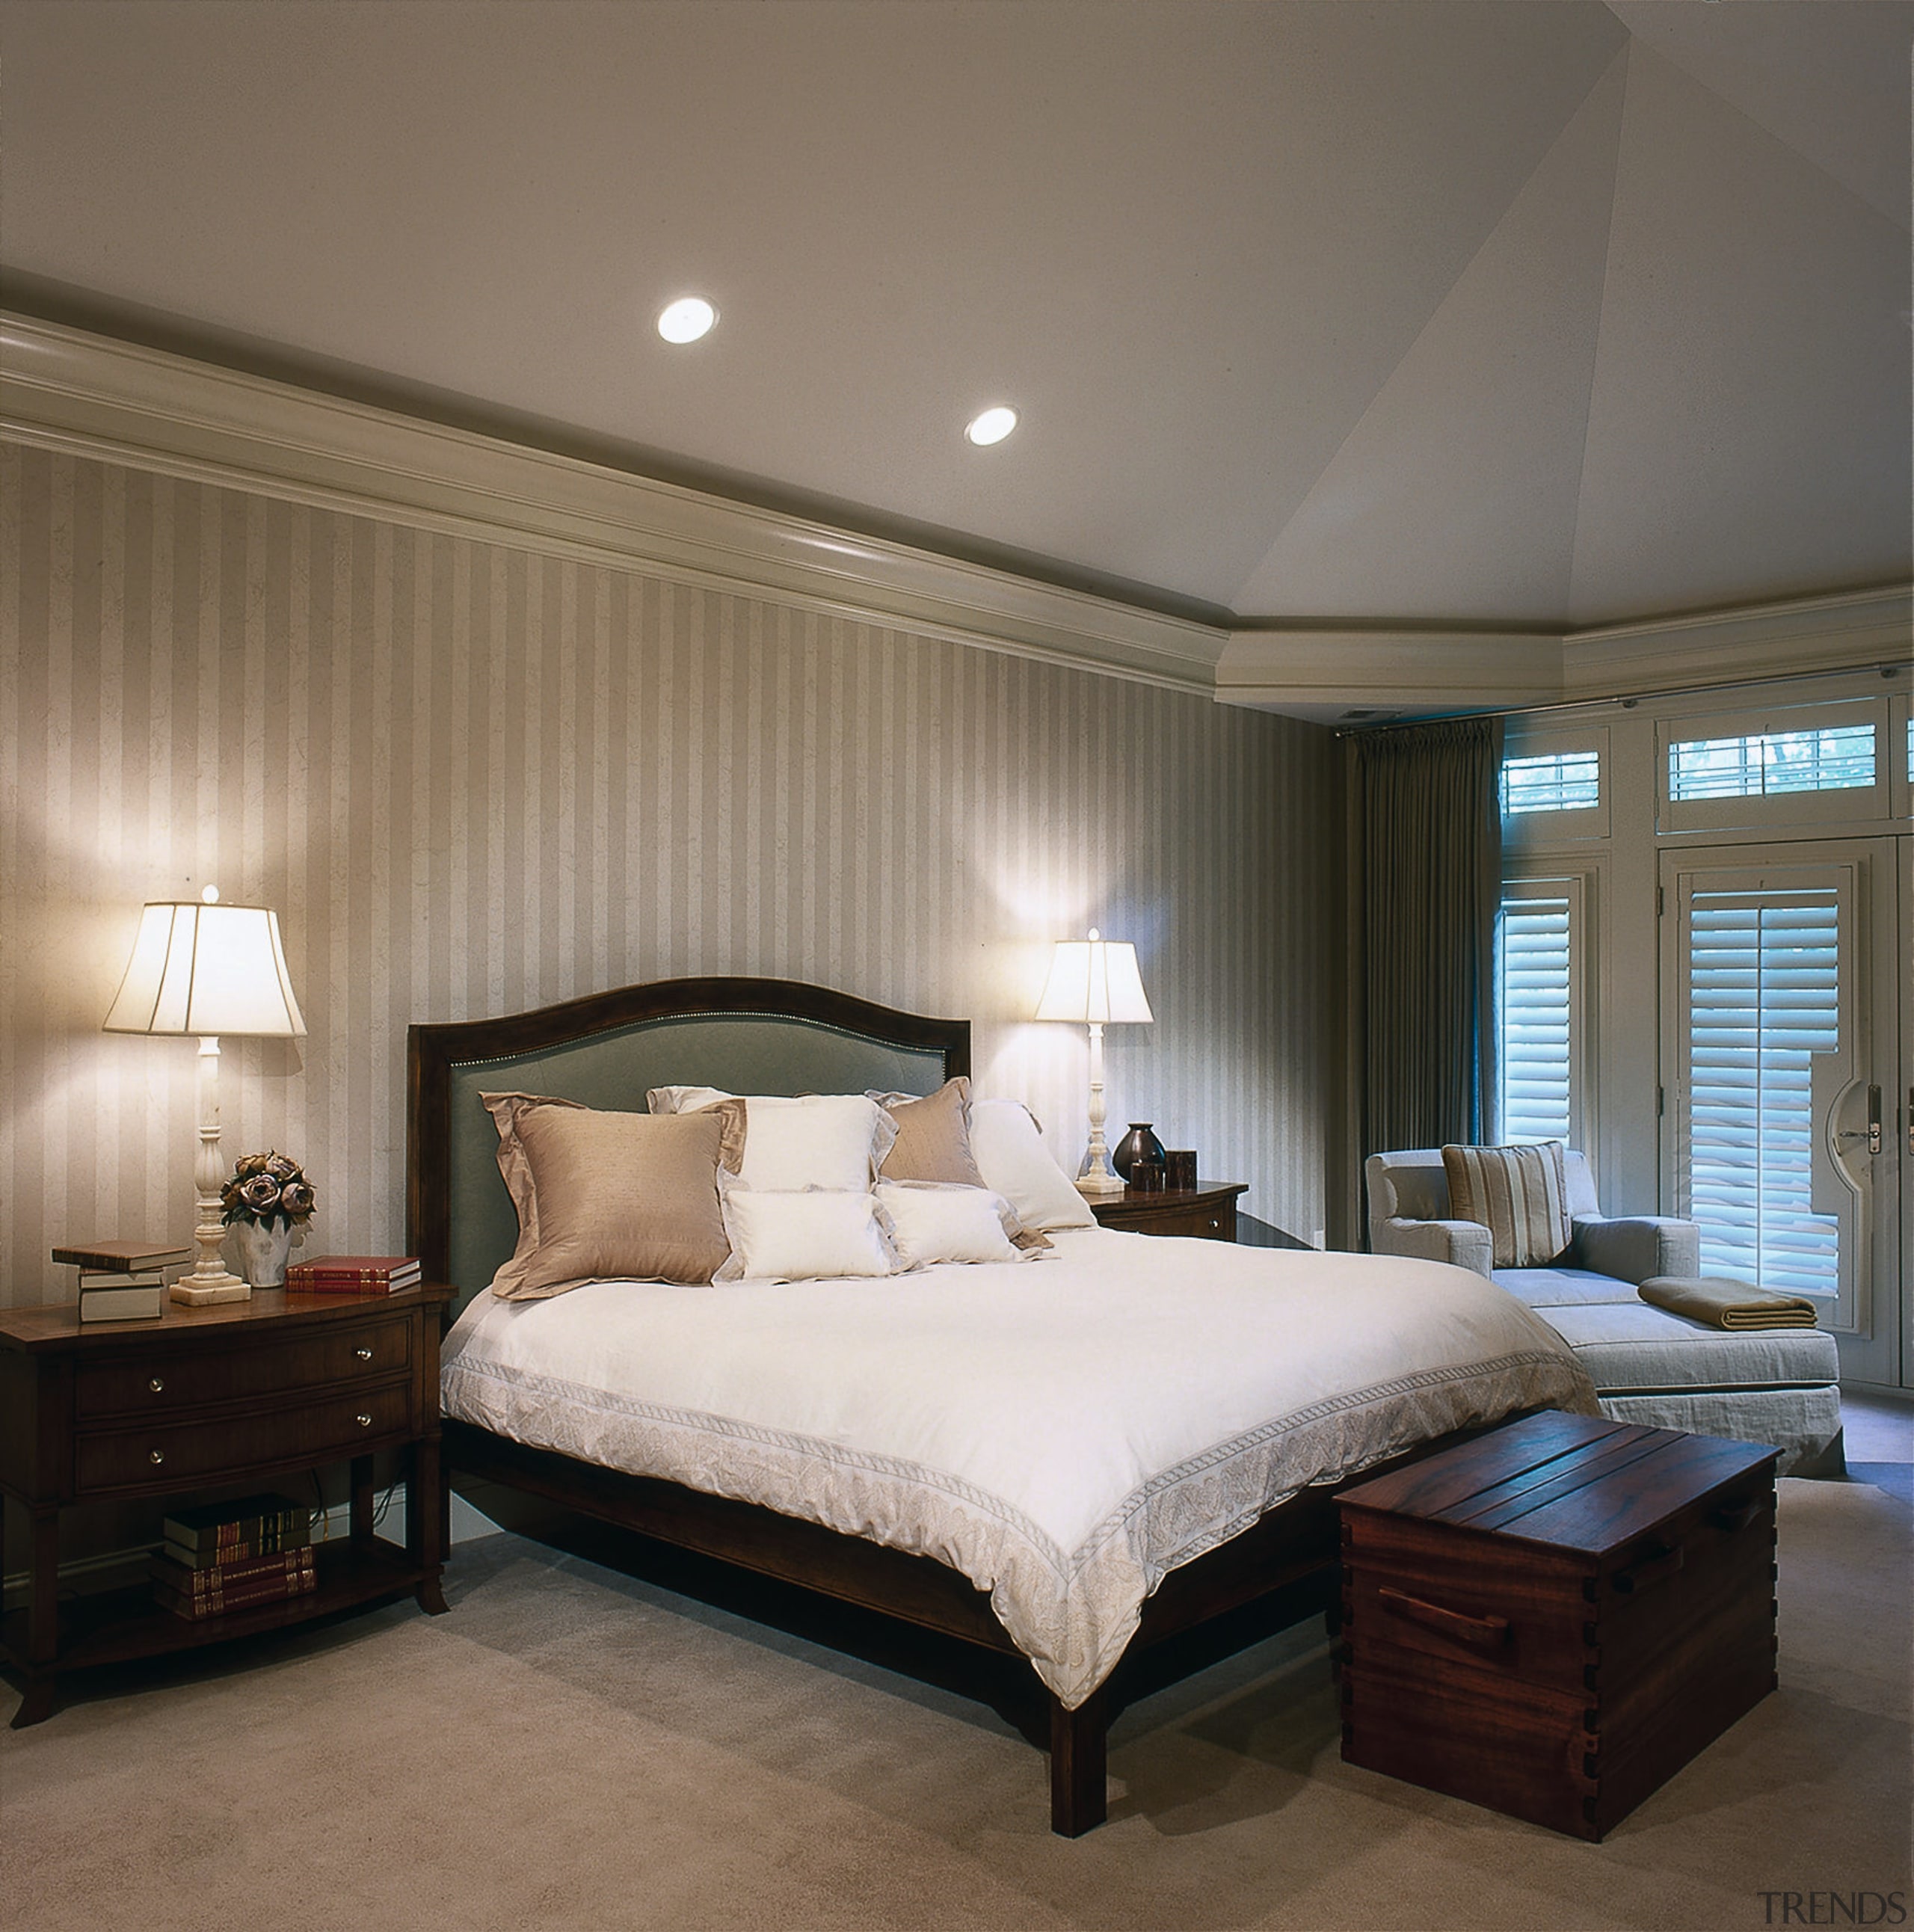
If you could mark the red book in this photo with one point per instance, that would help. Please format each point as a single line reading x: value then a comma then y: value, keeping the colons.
x: 218, y: 1579
x: 353, y: 1274
x: 242, y: 1596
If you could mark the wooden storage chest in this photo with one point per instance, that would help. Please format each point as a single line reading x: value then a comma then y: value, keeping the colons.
x: 1552, y: 1619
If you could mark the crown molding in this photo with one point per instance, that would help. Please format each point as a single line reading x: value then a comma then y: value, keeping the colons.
x: 1324, y: 674
x: 1849, y: 630
x: 88, y: 395
x: 66, y: 389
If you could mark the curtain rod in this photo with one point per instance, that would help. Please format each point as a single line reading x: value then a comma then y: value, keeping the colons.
x: 1882, y: 669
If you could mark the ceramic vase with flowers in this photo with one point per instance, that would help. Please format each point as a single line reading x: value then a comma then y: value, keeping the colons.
x: 267, y: 1205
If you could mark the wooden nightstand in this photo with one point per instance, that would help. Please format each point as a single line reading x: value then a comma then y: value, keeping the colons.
x: 231, y: 1395
x: 1208, y: 1212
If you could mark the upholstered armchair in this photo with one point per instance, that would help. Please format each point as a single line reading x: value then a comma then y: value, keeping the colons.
x: 1408, y: 1214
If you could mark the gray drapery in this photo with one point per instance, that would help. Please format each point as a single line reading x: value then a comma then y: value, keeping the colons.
x: 1428, y: 853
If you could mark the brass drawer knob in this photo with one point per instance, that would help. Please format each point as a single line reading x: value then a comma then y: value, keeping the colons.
x: 156, y: 1384
x: 365, y: 1422
x: 363, y: 1355
x: 156, y: 1455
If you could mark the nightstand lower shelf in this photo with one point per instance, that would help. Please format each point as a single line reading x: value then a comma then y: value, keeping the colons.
x: 116, y: 1626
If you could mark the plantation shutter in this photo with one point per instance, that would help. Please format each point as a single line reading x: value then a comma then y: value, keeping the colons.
x: 1535, y: 988
x: 1763, y: 997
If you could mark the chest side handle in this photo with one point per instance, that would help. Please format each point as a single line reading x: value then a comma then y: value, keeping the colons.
x: 1478, y: 1633
x: 1655, y: 1567
x: 1733, y: 1516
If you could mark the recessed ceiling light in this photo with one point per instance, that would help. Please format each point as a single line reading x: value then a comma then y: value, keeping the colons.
x: 687, y: 319
x: 992, y: 426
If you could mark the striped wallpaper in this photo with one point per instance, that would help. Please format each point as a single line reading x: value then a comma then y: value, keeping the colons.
x: 473, y: 779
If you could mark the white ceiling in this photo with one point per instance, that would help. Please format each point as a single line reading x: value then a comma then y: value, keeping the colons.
x: 1529, y: 313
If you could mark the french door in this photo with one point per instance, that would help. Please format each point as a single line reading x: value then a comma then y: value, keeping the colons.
x: 1785, y: 1082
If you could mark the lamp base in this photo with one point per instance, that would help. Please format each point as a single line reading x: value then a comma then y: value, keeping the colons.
x: 196, y: 1291
x: 1096, y: 1177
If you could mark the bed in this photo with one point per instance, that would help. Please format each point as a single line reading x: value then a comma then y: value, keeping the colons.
x: 1069, y: 1457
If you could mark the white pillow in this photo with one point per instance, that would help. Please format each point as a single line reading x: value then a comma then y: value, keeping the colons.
x: 1011, y: 1156
x: 944, y: 1221
x: 817, y: 1140
x: 778, y: 1236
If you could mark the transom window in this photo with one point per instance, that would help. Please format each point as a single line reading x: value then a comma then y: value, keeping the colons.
x: 1562, y: 781
x: 1762, y: 764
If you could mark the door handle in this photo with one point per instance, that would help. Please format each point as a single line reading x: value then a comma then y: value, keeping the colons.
x: 1871, y: 1133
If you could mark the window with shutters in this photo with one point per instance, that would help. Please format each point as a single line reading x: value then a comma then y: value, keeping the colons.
x: 1762, y: 998
x: 1762, y: 764
x: 1539, y: 1014
x: 1553, y: 788
x: 1792, y: 765
x: 1559, y: 781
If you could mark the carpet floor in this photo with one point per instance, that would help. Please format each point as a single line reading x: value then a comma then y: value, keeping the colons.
x: 574, y: 1745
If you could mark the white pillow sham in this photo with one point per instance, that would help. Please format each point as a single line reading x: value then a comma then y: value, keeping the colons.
x: 1011, y: 1156
x: 817, y: 1234
x: 944, y: 1221
x: 835, y: 1140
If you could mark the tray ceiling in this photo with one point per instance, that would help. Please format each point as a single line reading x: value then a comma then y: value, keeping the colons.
x: 1534, y: 314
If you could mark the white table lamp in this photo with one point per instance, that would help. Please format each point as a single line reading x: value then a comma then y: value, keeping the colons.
x: 1095, y: 983
x: 201, y: 967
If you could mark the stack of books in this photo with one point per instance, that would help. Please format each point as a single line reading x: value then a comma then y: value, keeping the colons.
x: 230, y: 1556
x: 122, y: 1281
x: 353, y: 1274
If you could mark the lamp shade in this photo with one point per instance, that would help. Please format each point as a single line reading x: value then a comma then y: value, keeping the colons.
x: 1094, y: 981
x: 207, y: 969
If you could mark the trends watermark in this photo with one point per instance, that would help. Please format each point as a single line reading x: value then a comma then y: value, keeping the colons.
x: 1833, y: 1908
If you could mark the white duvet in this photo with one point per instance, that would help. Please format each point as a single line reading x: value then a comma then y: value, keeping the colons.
x: 1063, y: 1432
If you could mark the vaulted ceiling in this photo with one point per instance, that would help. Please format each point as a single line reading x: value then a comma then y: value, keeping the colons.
x: 1526, y: 313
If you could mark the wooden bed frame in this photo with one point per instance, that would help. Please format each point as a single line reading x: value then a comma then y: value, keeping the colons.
x: 1288, y: 1559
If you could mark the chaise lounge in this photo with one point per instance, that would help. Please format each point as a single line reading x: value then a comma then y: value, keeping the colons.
x: 1779, y: 1386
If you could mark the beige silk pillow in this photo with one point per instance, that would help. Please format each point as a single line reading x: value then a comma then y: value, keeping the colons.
x: 612, y: 1196
x: 933, y: 1143
x: 1519, y: 1194
x: 933, y: 1135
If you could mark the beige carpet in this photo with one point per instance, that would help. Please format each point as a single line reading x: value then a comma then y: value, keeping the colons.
x: 571, y: 1746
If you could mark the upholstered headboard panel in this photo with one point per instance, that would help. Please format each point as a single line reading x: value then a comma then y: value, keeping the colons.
x: 749, y: 1035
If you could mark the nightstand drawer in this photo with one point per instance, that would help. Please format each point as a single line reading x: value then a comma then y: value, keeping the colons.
x: 1205, y: 1213
x: 164, y: 1455
x: 168, y: 1379
x: 1208, y: 1224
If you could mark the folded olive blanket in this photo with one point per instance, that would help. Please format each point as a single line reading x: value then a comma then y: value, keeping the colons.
x: 1722, y: 1303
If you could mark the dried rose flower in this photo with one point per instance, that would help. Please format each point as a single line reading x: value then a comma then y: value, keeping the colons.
x: 268, y: 1188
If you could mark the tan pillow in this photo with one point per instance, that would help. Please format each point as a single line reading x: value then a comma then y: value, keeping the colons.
x: 934, y: 1143
x: 618, y: 1196
x: 933, y: 1135
x: 1519, y: 1194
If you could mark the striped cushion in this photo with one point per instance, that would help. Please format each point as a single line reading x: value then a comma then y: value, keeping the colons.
x: 1519, y: 1194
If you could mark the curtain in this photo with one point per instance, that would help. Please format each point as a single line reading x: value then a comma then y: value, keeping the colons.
x: 1428, y: 859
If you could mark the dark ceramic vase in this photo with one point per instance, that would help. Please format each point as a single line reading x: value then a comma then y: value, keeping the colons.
x: 1139, y: 1147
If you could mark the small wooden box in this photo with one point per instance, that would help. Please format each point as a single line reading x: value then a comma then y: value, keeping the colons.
x: 1552, y: 1619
